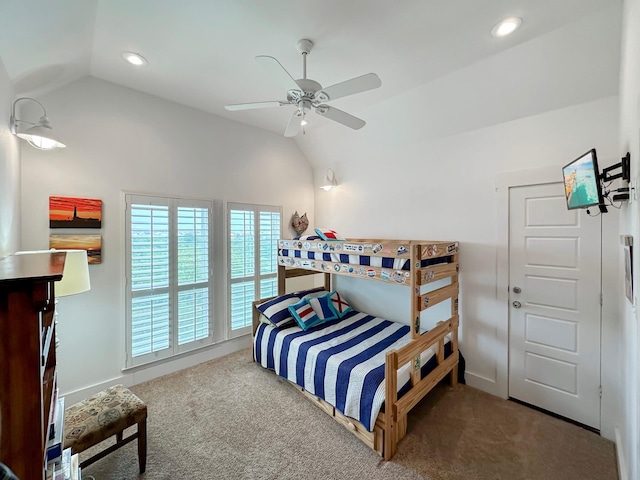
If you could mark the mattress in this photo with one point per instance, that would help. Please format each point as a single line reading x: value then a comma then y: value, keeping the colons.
x: 341, y: 361
x: 362, y: 260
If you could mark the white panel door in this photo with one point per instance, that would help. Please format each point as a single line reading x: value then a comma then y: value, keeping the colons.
x: 554, y: 321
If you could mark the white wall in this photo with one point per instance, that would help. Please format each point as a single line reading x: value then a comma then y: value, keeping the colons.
x: 9, y: 172
x: 629, y: 333
x: 425, y: 167
x: 121, y: 140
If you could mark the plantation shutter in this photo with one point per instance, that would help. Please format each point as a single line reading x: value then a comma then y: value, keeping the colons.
x: 169, y: 276
x: 253, y: 234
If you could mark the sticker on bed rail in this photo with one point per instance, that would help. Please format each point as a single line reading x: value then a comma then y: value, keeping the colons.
x: 416, y: 324
x: 297, y: 263
x: 426, y: 301
x: 416, y: 363
x: 428, y: 276
x: 338, y: 247
x: 305, y: 263
x: 306, y: 245
x: 324, y: 266
x: 384, y: 275
x: 367, y: 246
x: 452, y: 248
x: 361, y: 271
x: 350, y: 247
x: 371, y: 273
x: 432, y: 250
x: 313, y: 264
x: 280, y: 244
x: 325, y: 246
x: 402, y: 250
x: 351, y: 269
x: 287, y: 244
x: 399, y: 277
x: 345, y: 268
x: 377, y: 248
x: 336, y: 267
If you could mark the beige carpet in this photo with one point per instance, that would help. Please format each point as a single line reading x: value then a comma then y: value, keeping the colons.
x: 231, y: 419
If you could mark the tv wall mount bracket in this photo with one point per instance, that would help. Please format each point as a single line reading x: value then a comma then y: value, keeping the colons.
x: 607, y: 175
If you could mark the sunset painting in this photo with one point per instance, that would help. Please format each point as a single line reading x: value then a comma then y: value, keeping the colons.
x: 67, y: 212
x: 91, y: 243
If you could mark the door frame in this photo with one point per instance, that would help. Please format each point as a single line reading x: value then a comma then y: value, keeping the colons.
x: 503, y: 182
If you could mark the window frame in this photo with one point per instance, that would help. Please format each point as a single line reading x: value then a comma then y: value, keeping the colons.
x: 173, y: 203
x: 257, y: 277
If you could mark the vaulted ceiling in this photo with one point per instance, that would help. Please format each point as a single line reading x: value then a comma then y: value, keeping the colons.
x: 201, y: 52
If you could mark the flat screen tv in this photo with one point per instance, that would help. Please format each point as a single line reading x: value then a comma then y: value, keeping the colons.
x: 582, y: 181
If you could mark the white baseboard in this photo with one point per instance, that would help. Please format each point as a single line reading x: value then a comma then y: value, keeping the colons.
x: 622, y: 463
x: 483, y: 383
x: 144, y: 374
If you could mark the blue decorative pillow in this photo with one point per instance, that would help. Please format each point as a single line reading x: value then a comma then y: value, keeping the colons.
x: 323, y: 307
x: 277, y: 309
x: 339, y: 304
x: 304, y: 314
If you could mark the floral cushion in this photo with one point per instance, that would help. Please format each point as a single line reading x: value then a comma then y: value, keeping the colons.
x: 95, y: 419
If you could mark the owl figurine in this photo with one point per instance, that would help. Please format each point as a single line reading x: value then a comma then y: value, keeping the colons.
x: 299, y: 223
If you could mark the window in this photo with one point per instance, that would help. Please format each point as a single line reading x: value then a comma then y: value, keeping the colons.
x: 169, y: 276
x: 254, y: 231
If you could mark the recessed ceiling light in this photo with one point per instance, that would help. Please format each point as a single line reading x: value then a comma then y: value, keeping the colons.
x: 134, y: 58
x: 506, y: 26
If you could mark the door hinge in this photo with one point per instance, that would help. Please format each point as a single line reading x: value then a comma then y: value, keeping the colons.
x: 600, y: 390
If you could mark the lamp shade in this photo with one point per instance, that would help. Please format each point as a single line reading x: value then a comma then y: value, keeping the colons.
x: 75, y: 276
x: 41, y: 136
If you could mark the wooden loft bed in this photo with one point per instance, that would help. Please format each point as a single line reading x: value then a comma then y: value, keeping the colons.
x: 429, y: 261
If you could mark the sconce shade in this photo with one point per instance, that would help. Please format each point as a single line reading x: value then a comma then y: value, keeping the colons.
x: 329, y: 181
x: 39, y: 135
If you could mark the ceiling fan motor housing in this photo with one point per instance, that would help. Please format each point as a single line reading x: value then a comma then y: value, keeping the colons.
x: 308, y: 89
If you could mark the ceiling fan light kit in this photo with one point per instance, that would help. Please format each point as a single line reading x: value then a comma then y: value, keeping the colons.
x: 306, y: 94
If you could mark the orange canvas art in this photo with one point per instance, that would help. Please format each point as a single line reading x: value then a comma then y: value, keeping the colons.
x: 68, y: 212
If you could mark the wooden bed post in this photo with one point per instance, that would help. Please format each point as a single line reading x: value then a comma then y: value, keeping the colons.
x: 282, y: 280
x: 327, y: 282
x: 453, y: 379
x: 391, y: 396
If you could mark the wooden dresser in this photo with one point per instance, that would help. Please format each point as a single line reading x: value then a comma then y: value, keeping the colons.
x: 27, y: 359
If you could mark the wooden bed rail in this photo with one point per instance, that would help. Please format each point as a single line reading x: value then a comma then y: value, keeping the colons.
x: 396, y: 409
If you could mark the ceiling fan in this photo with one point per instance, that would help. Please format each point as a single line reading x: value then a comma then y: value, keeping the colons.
x: 306, y: 94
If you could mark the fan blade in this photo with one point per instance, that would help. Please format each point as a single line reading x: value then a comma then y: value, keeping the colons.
x: 248, y: 106
x: 349, y: 87
x: 293, y: 127
x: 278, y: 71
x: 341, y: 117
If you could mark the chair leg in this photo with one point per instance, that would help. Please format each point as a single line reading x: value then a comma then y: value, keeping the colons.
x: 142, y: 445
x: 119, y: 436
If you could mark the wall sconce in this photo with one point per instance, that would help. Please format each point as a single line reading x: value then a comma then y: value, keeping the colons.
x: 40, y: 135
x: 329, y: 181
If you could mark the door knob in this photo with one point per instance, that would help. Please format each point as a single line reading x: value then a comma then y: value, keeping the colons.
x: 516, y: 304
x: 517, y: 290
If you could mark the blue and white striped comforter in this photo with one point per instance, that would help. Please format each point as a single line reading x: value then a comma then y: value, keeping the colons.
x: 341, y: 361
